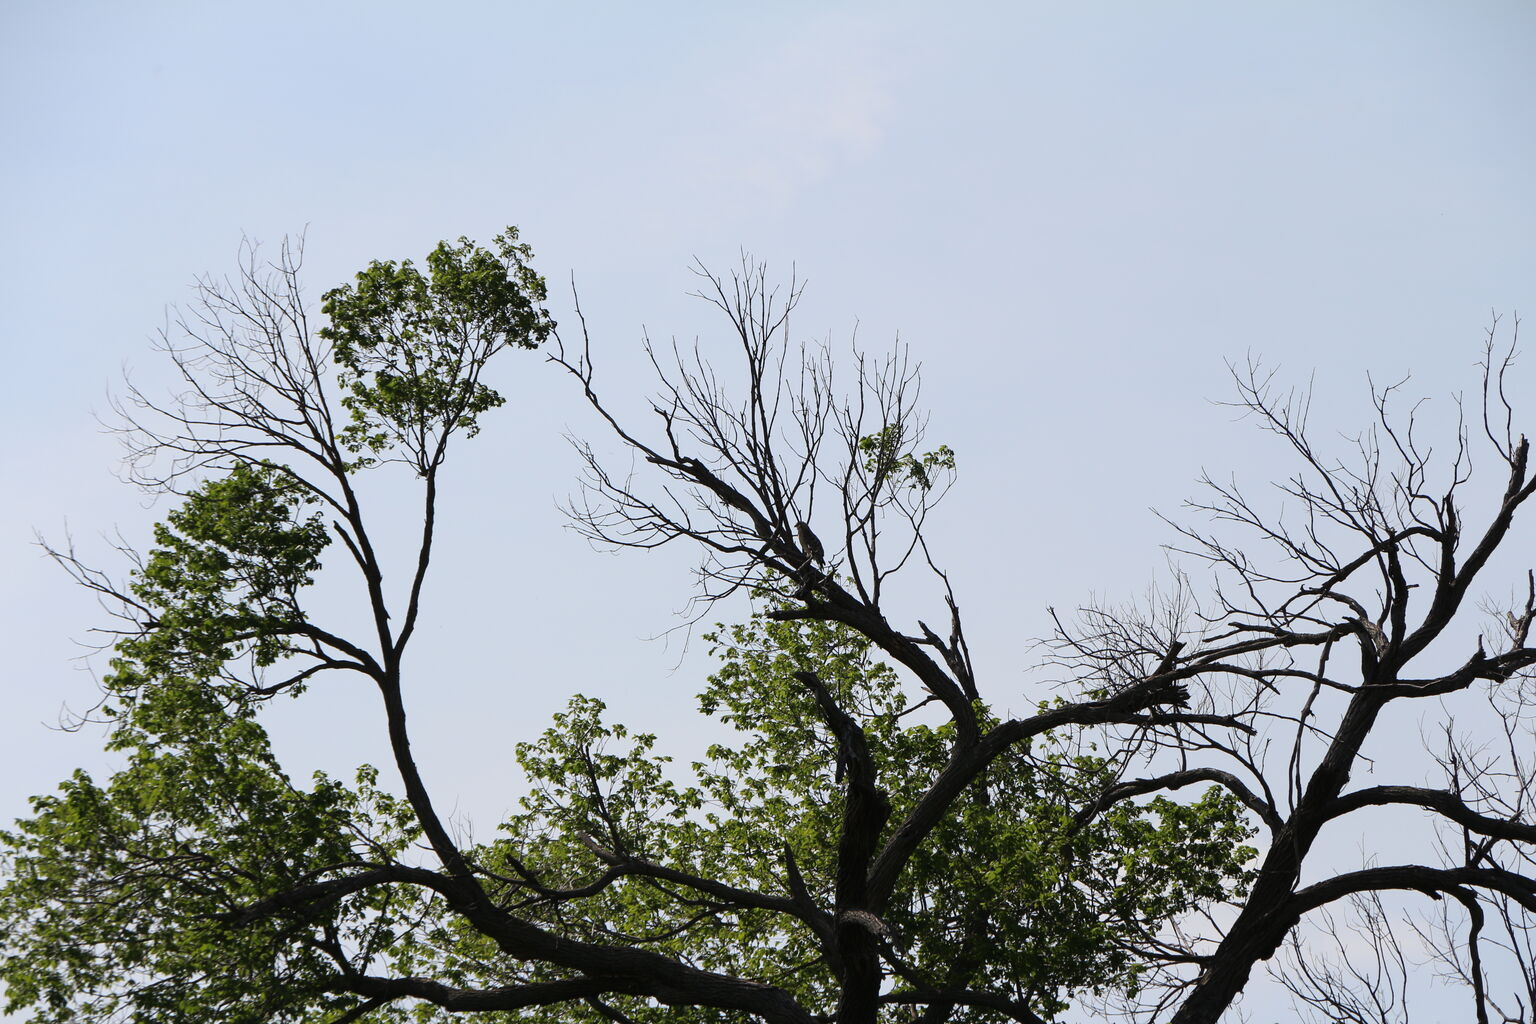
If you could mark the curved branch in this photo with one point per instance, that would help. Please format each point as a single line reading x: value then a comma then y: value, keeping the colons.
x: 462, y: 1000
x: 1441, y: 801
x: 1432, y: 882
x: 623, y: 865
x: 1178, y: 780
x: 1011, y: 1008
x: 335, y: 888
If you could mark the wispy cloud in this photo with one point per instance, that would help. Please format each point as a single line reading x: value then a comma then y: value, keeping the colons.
x: 804, y: 109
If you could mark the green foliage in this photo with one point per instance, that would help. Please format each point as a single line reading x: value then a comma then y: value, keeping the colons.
x: 411, y: 346
x: 1006, y: 894
x: 131, y: 900
x: 224, y: 578
x: 124, y: 900
x: 887, y: 460
x: 120, y: 898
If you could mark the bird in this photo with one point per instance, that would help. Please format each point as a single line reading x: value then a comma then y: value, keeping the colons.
x: 809, y: 542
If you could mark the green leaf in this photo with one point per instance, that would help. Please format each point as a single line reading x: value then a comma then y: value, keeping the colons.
x: 412, y: 346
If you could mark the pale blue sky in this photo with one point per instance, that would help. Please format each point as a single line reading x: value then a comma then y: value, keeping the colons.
x: 1073, y: 213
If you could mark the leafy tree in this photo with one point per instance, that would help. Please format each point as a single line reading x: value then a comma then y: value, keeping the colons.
x: 873, y: 843
x: 1014, y: 896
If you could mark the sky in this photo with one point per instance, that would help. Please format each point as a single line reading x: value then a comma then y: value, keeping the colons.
x: 1074, y: 215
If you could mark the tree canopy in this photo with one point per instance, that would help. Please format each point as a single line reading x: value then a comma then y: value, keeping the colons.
x: 874, y: 840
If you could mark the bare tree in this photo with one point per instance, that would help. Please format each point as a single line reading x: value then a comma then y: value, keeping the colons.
x: 744, y: 470
x: 1320, y: 620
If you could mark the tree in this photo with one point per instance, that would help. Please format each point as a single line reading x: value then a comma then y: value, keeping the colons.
x: 876, y: 842
x: 1012, y: 905
x: 1245, y: 687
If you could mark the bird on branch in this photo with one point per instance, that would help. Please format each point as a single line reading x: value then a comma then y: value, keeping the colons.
x: 809, y: 542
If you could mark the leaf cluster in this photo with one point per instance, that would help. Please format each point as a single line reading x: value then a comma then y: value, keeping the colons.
x: 224, y: 579
x: 887, y: 456
x: 126, y: 901
x: 411, y: 345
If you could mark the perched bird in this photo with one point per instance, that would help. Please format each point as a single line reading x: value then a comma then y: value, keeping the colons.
x: 809, y: 542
